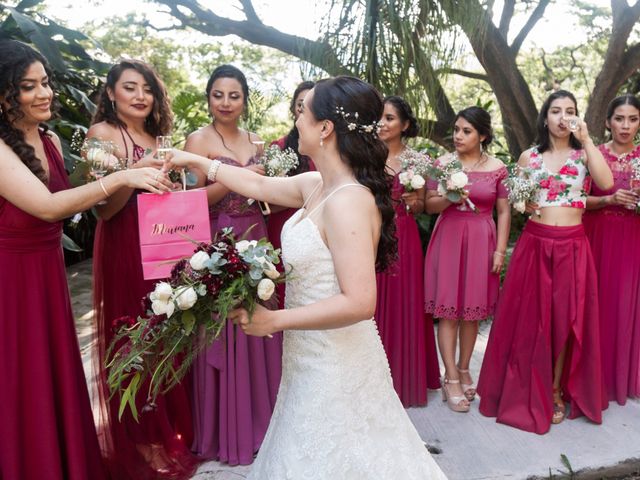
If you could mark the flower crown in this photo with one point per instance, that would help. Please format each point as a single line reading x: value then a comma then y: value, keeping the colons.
x: 351, y: 120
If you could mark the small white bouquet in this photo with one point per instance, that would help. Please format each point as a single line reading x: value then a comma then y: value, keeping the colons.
x: 522, y: 188
x: 634, y: 182
x: 452, y: 181
x: 414, y: 169
x: 277, y: 163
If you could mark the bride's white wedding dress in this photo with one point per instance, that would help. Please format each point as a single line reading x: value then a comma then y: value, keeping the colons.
x: 337, y: 415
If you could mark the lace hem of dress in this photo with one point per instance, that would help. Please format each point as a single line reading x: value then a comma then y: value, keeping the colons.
x: 481, y: 312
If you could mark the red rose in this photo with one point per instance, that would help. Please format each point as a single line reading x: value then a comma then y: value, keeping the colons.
x: 577, y: 204
x: 569, y: 170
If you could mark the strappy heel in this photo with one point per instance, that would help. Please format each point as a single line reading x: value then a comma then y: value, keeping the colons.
x: 559, y: 408
x: 457, y: 403
x: 469, y: 389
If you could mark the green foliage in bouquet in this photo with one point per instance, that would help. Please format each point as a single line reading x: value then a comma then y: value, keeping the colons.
x: 186, y: 313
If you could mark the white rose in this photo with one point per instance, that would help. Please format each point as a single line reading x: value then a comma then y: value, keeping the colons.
x: 243, y: 245
x: 198, y: 260
x: 520, y: 206
x: 162, y: 292
x: 270, y: 270
x: 96, y: 155
x: 404, y: 178
x: 186, y: 299
x: 459, y: 180
x: 417, y: 182
x: 441, y: 190
x: 266, y: 287
x: 162, y: 308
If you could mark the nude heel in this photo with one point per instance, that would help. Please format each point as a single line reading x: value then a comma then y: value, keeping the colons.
x: 457, y: 403
x: 469, y: 389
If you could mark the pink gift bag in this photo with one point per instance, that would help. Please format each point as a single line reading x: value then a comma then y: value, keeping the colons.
x: 168, y: 226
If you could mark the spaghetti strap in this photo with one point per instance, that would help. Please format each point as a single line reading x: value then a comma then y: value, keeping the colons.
x: 124, y: 141
x: 138, y: 151
x: 313, y: 192
x: 332, y: 192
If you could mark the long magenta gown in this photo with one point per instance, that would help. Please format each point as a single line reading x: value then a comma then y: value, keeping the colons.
x: 614, y: 235
x: 46, y: 424
x: 118, y: 290
x: 236, y: 379
x: 406, y: 331
x: 276, y: 220
x: 458, y: 279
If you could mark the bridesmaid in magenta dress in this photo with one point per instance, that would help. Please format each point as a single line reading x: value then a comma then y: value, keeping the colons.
x: 236, y: 379
x: 613, y: 228
x: 46, y: 426
x: 466, y: 253
x: 132, y: 110
x: 406, y: 332
x: 279, y: 215
x: 544, y: 346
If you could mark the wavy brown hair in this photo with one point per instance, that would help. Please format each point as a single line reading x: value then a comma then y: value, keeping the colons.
x: 364, y: 153
x: 15, y: 58
x: 159, y: 121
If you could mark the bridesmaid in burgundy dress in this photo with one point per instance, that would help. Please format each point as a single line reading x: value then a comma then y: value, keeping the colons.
x: 279, y: 215
x: 405, y: 330
x: 613, y: 228
x: 236, y: 379
x: 132, y: 110
x: 544, y: 346
x: 464, y: 257
x: 46, y: 426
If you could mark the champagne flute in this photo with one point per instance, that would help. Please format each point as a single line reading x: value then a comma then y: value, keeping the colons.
x: 573, y: 122
x: 164, y: 145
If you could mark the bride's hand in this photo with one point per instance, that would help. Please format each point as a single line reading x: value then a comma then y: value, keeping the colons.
x: 260, y: 324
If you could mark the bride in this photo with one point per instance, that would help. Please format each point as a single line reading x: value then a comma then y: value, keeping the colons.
x: 337, y: 414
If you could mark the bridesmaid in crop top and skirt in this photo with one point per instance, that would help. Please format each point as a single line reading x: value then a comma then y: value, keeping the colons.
x: 542, y: 361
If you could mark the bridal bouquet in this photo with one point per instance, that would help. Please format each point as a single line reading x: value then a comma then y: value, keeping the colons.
x: 522, y: 188
x: 452, y: 181
x: 414, y: 170
x: 186, y: 313
x: 277, y: 163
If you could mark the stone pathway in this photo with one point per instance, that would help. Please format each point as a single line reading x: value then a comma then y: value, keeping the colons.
x: 469, y: 446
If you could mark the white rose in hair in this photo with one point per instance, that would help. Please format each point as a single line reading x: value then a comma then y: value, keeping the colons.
x: 266, y: 287
x: 520, y: 206
x: 198, y: 260
x: 187, y: 298
x: 459, y: 180
x: 162, y: 308
x: 162, y: 292
x: 417, y: 182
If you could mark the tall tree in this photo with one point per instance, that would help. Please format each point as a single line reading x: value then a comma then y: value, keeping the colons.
x: 402, y: 45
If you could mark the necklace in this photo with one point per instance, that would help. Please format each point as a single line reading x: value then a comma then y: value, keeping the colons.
x: 481, y: 161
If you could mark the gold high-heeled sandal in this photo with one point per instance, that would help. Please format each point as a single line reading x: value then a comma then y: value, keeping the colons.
x: 469, y: 389
x: 457, y: 403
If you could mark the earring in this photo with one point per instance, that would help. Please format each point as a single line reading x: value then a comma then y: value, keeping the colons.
x: 545, y: 124
x: 321, y: 142
x: 113, y: 105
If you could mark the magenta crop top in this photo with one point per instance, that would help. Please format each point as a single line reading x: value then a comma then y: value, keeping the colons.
x: 567, y: 188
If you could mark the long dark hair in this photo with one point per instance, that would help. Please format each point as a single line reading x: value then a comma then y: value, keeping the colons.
x: 363, y: 152
x: 544, y: 142
x: 626, y: 99
x: 480, y: 119
x: 293, y: 137
x: 15, y: 58
x: 403, y: 109
x: 159, y: 121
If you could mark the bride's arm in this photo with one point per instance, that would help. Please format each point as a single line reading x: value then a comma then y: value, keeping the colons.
x: 351, y: 224
x: 285, y: 191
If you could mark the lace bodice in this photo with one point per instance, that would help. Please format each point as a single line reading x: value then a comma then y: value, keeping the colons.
x: 568, y: 187
x: 337, y: 415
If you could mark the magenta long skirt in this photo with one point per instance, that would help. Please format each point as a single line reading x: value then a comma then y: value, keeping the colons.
x: 236, y: 379
x: 549, y: 301
x: 406, y: 332
x: 614, y: 236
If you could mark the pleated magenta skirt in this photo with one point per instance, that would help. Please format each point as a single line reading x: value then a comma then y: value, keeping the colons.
x: 549, y: 301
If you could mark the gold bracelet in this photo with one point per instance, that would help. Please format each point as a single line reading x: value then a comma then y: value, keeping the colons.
x: 103, y: 187
x: 500, y: 254
x: 213, y: 170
